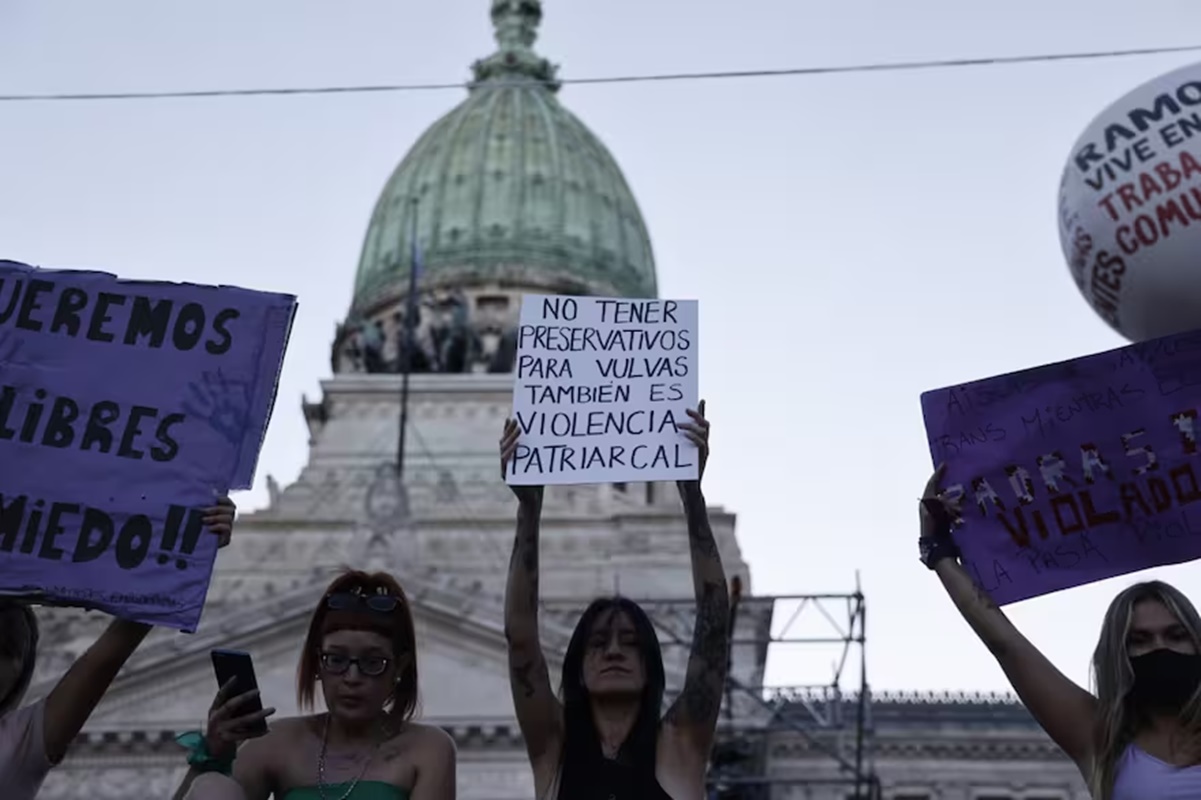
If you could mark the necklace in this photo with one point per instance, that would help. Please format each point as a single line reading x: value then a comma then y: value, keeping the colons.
x: 321, y: 764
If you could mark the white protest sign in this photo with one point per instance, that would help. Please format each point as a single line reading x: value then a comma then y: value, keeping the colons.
x: 600, y: 386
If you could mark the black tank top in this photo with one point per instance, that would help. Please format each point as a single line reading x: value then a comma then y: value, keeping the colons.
x: 605, y: 779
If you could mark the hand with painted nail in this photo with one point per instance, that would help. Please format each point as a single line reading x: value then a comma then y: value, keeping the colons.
x: 939, y: 512
x: 526, y: 495
x: 697, y: 432
x: 220, y: 519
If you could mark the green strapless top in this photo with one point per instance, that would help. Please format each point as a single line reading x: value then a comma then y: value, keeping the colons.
x: 366, y: 790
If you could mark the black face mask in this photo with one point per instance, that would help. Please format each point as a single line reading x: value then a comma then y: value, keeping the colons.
x: 1164, y: 680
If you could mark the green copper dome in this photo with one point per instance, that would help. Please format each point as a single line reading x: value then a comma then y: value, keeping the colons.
x: 509, y: 189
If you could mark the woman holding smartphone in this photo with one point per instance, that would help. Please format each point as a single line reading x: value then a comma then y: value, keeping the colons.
x: 361, y: 649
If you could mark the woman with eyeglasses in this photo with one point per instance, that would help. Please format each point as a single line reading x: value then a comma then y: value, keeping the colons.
x: 361, y: 649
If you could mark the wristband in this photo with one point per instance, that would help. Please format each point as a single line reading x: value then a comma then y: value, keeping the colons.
x: 932, y: 550
x: 199, y: 756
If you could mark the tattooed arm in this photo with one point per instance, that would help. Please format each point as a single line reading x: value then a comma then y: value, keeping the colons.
x: 692, y: 718
x: 1063, y: 709
x: 538, y: 711
x: 693, y: 715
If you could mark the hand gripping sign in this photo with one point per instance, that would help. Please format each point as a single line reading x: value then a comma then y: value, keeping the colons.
x: 126, y: 407
x: 1076, y: 471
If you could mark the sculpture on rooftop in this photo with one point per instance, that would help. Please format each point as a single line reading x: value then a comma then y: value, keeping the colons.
x: 449, y: 337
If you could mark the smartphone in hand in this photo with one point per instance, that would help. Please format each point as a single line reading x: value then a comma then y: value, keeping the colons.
x: 238, y: 666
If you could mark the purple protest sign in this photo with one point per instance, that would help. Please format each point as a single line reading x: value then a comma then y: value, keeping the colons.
x: 126, y: 407
x: 1076, y: 471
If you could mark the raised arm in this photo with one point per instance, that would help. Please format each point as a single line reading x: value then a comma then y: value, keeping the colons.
x: 1063, y: 709
x: 692, y: 718
x: 80, y: 690
x: 539, y: 713
x: 77, y: 694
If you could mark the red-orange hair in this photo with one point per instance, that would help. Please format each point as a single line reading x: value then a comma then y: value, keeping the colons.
x: 397, y: 625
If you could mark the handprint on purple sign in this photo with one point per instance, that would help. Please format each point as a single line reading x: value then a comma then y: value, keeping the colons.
x: 224, y: 403
x: 9, y: 349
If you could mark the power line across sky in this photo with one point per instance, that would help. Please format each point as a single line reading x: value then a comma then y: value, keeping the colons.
x: 682, y: 76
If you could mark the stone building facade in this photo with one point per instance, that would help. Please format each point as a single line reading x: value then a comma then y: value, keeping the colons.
x: 940, y: 746
x: 508, y: 193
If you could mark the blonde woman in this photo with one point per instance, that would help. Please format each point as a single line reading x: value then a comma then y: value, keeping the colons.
x: 1139, y: 736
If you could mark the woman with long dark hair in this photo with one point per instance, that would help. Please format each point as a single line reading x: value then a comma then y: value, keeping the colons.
x: 35, y: 738
x: 361, y: 647
x: 1139, y: 736
x: 605, y: 738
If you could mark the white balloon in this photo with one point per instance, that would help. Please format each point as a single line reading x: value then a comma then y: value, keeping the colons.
x: 1130, y: 209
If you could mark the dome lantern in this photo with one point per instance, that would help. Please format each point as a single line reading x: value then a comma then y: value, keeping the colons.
x: 516, y: 25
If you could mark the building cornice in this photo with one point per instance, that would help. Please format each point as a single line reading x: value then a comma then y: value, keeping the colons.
x: 474, y: 735
x: 993, y: 710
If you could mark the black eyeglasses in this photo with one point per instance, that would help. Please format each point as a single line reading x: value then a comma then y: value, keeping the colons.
x: 344, y: 601
x: 339, y: 663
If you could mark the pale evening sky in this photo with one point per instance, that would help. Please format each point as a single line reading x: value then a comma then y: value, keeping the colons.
x: 853, y: 239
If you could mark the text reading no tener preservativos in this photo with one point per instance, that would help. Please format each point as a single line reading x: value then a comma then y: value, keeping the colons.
x: 40, y: 306
x: 613, y: 374
x: 41, y: 530
x: 651, y: 350
x: 639, y: 314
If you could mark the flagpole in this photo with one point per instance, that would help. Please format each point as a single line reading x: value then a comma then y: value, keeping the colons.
x: 406, y: 365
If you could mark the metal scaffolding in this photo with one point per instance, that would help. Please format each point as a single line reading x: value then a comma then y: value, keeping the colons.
x: 832, y: 720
